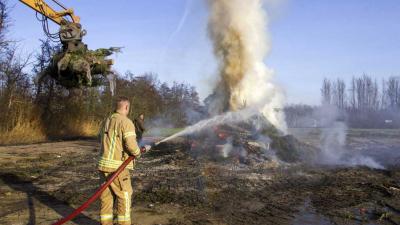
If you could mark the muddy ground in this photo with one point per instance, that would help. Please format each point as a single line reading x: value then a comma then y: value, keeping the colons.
x: 40, y: 183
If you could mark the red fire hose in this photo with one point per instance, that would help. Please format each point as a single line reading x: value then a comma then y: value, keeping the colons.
x: 97, y: 193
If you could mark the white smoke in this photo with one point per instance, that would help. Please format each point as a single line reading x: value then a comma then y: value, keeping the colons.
x: 241, y: 42
x: 333, y: 141
x: 227, y: 148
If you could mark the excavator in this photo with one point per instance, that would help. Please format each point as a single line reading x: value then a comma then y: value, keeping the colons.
x: 74, y: 65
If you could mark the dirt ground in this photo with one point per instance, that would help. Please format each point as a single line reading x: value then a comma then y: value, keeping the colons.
x: 40, y: 183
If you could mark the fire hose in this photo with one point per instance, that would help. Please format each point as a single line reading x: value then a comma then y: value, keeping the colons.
x: 98, y: 192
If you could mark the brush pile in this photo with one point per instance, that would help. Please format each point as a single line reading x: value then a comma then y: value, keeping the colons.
x: 248, y: 141
x: 81, y: 67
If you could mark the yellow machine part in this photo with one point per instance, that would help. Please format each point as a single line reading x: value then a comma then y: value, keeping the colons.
x: 43, y: 8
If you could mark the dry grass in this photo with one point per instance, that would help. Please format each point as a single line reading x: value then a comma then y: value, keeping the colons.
x: 89, y: 128
x: 35, y: 131
x: 23, y: 132
x: 76, y: 128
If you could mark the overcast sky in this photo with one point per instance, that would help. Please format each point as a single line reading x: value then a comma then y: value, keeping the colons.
x: 311, y: 39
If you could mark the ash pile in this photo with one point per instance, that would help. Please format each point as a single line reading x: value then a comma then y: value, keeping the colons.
x: 250, y: 141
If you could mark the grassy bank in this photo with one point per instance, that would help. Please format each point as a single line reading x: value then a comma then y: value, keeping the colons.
x: 34, y: 132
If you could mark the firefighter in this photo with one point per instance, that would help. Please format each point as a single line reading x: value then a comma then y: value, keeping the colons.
x: 118, y: 142
x: 139, y: 126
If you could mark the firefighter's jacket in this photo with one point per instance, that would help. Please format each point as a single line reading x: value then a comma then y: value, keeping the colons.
x: 118, y: 138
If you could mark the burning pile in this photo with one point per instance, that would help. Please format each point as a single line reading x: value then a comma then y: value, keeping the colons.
x: 242, y: 136
x: 248, y: 141
x: 246, y: 121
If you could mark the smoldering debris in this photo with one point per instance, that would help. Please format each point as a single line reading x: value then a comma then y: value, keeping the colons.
x: 243, y: 137
x: 188, y: 190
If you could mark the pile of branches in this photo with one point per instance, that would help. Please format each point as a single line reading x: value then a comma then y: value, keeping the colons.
x: 247, y: 140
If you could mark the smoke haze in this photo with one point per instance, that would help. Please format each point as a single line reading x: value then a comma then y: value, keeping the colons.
x: 333, y: 139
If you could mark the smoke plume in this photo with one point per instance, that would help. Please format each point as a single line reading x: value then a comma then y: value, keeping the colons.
x: 333, y: 141
x: 237, y: 29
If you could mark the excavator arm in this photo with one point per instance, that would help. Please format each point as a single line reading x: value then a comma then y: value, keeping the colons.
x: 74, y: 65
x: 57, y: 17
x: 70, y: 32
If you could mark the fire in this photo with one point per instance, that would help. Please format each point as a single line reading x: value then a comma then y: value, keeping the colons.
x: 222, y: 136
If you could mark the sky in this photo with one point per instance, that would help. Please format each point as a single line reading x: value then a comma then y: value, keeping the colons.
x: 311, y: 39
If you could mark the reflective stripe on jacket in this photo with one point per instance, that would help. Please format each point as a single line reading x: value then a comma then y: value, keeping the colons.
x: 117, y: 137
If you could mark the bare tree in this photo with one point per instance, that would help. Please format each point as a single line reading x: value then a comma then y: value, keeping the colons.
x: 15, y: 85
x: 12, y: 74
x: 360, y: 94
x: 326, y: 91
x: 4, y: 25
x: 42, y: 60
x: 299, y: 115
x: 339, y: 93
x: 365, y: 94
x: 393, y: 92
x: 374, y: 93
x: 353, y: 98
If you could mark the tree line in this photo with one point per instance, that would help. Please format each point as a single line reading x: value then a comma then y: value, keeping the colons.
x: 364, y: 102
x: 35, y: 108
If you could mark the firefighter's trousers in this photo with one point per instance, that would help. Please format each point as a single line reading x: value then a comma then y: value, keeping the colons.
x: 121, y: 191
